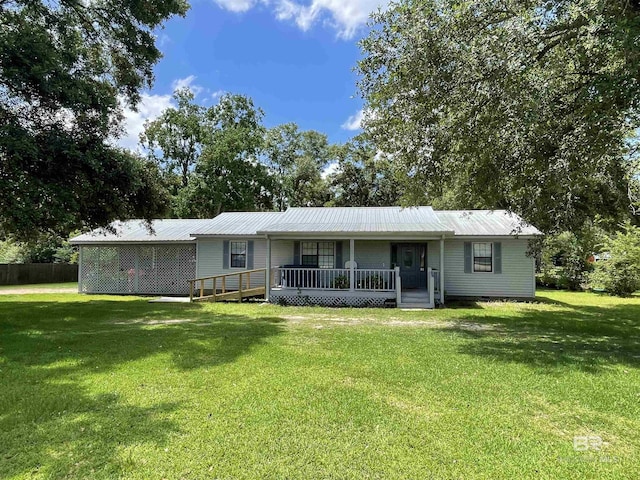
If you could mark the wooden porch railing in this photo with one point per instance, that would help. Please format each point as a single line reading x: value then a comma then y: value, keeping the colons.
x: 370, y: 279
x: 250, y: 283
x: 376, y: 279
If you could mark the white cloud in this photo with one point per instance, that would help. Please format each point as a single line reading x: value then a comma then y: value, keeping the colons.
x: 354, y: 122
x: 187, y: 82
x: 332, y: 168
x: 150, y: 107
x: 345, y: 16
x: 236, y: 5
x: 217, y: 94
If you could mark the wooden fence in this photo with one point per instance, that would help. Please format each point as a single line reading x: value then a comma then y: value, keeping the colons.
x: 26, y: 273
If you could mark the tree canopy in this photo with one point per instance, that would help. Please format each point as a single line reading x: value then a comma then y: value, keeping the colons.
x: 174, y: 139
x: 296, y: 160
x: 519, y: 104
x: 364, y: 176
x: 65, y: 69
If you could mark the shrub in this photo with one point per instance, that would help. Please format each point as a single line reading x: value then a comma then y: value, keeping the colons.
x: 564, y: 260
x: 341, y: 281
x: 619, y: 274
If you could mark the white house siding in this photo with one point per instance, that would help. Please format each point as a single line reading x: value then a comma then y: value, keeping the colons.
x: 372, y: 254
x: 281, y: 253
x: 516, y: 280
x: 210, y: 252
x: 433, y: 254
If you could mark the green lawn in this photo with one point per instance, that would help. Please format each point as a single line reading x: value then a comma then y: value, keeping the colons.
x: 39, y: 286
x: 106, y: 387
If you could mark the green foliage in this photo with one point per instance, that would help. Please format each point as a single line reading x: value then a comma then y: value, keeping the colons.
x: 517, y: 104
x: 228, y: 175
x: 565, y: 258
x: 364, y: 177
x: 175, y: 139
x: 296, y: 160
x: 619, y: 272
x: 63, y: 68
x: 341, y: 281
x: 43, y: 249
x: 564, y: 263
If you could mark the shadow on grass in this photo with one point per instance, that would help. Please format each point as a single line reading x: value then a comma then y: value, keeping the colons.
x: 586, y: 337
x: 55, y: 421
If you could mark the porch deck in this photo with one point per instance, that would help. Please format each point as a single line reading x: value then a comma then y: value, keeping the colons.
x: 348, y: 287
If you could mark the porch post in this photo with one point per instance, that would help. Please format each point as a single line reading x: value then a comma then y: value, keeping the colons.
x: 80, y: 262
x: 442, y: 270
x: 267, y: 273
x: 352, y: 265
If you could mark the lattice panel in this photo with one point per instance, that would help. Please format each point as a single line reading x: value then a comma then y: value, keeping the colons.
x: 311, y: 300
x: 141, y: 269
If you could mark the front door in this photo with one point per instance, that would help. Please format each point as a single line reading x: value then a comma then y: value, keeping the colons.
x: 409, y: 262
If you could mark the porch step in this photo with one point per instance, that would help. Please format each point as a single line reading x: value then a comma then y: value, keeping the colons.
x: 414, y: 296
x: 417, y: 306
x: 414, y: 299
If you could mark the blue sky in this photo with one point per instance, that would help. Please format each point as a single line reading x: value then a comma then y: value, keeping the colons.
x: 294, y: 59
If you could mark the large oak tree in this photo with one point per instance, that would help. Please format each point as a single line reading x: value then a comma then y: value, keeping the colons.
x: 529, y: 105
x: 65, y: 68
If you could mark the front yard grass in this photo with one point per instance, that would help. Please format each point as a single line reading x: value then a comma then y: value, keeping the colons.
x: 108, y: 387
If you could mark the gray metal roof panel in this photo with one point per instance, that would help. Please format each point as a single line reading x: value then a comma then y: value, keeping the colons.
x: 168, y: 230
x: 355, y: 220
x: 237, y: 223
x: 485, y: 223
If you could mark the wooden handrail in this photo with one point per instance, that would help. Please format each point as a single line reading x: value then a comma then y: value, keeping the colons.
x: 228, y: 274
x: 244, y: 286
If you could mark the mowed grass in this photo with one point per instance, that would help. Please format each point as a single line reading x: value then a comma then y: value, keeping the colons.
x: 39, y: 286
x: 116, y: 387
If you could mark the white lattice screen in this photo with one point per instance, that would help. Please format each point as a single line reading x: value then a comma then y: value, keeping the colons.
x: 140, y: 269
x: 325, y: 301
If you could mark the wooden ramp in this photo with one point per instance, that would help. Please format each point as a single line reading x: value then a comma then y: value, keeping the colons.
x: 229, y: 287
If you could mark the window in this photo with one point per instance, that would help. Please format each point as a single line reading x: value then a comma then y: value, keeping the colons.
x: 318, y: 254
x: 238, y: 252
x: 482, y: 257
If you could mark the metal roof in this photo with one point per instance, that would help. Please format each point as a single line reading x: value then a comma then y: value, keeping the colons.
x: 356, y: 220
x: 169, y: 230
x: 485, y: 222
x: 237, y: 223
x: 320, y: 220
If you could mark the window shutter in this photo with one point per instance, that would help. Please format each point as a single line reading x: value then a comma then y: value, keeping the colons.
x: 497, y: 257
x: 225, y: 254
x: 467, y: 257
x: 296, y: 253
x: 338, y: 255
x: 250, y: 255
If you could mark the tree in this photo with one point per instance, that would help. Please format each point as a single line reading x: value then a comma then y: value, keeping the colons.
x: 228, y: 175
x: 296, y: 160
x: 174, y: 139
x: 619, y: 273
x: 64, y: 69
x: 566, y: 257
x: 517, y: 104
x: 364, y: 177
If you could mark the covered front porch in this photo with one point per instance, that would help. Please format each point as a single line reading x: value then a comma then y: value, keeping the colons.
x: 357, y: 272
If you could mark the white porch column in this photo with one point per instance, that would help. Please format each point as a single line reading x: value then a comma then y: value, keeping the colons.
x: 352, y: 265
x: 267, y: 278
x: 80, y: 262
x: 442, y: 270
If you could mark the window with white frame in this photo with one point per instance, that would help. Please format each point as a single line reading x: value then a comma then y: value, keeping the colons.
x: 483, y: 257
x: 238, y: 252
x: 318, y: 254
